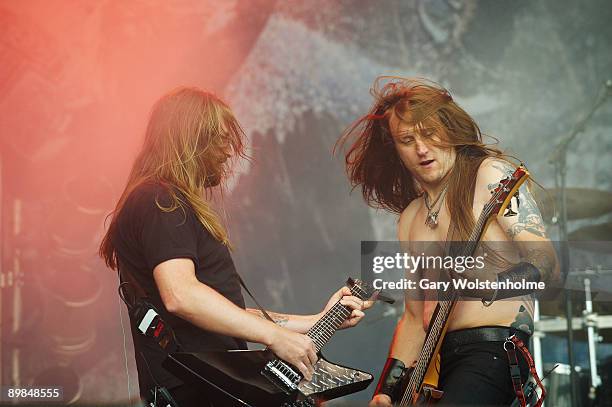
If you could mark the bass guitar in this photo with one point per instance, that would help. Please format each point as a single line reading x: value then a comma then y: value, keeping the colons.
x: 422, y: 385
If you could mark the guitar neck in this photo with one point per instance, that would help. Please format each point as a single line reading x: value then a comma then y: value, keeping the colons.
x: 440, y: 317
x: 322, y: 331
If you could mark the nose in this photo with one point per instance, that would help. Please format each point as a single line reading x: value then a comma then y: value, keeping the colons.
x: 421, y: 147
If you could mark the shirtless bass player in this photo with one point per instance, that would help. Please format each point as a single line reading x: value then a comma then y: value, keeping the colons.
x: 418, y: 154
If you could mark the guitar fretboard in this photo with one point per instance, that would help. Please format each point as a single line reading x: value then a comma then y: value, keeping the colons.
x: 443, y: 310
x: 322, y: 331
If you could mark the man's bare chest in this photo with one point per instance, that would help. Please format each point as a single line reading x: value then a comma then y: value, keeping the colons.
x: 421, y: 231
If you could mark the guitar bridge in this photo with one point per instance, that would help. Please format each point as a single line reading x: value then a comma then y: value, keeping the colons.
x: 282, y: 375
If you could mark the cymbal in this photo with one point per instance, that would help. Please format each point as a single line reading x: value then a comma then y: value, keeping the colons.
x: 581, y: 202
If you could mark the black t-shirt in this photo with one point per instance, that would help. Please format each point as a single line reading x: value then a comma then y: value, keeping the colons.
x: 146, y: 236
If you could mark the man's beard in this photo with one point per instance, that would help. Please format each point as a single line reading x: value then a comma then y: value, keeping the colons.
x: 213, y: 180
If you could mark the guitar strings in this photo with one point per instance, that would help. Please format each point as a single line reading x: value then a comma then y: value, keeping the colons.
x: 324, y: 329
x: 331, y: 326
x: 444, y: 309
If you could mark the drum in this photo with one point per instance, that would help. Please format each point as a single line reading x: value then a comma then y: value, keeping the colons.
x: 70, y: 318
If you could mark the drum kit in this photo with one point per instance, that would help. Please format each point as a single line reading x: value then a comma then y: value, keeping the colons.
x: 591, y: 387
x: 559, y: 206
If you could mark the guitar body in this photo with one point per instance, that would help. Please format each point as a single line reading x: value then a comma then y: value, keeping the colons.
x: 235, y: 378
x: 429, y: 393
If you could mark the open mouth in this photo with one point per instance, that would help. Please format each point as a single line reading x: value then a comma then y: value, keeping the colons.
x: 426, y: 163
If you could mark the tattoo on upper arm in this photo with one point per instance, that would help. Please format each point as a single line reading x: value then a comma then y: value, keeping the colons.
x: 504, y: 167
x: 529, y: 218
x: 524, y: 318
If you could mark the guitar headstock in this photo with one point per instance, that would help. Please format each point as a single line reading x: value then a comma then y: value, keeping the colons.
x: 363, y: 291
x: 507, y: 188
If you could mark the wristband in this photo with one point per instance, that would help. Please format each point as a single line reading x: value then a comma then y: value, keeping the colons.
x: 391, y: 378
x: 515, y: 274
x: 521, y: 271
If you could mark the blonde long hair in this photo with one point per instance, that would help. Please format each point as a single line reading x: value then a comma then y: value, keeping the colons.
x: 190, y: 135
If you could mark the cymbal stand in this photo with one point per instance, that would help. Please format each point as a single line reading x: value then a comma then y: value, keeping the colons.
x: 559, y: 159
x: 537, y: 339
x: 590, y: 319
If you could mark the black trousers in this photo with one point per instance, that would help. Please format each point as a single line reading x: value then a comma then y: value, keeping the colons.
x: 477, y: 374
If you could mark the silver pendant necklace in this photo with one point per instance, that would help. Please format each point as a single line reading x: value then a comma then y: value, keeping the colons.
x: 431, y: 220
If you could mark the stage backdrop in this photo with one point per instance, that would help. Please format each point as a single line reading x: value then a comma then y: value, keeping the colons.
x: 77, y: 81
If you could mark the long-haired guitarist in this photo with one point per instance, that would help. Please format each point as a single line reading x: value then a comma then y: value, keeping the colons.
x: 170, y: 244
x: 419, y: 155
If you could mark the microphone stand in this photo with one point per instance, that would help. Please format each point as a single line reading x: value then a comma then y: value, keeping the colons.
x: 559, y: 159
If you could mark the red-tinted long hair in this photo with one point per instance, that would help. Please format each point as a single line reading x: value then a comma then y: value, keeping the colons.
x: 373, y: 163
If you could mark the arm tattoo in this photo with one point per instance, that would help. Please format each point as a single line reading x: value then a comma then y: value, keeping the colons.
x: 529, y: 218
x: 503, y: 167
x: 524, y: 318
x: 279, y: 319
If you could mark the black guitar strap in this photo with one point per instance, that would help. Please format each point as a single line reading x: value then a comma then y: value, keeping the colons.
x: 145, y: 315
x: 150, y: 324
x: 128, y: 278
x: 263, y: 311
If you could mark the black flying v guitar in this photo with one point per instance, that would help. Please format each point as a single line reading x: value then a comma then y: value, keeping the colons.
x: 257, y: 378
